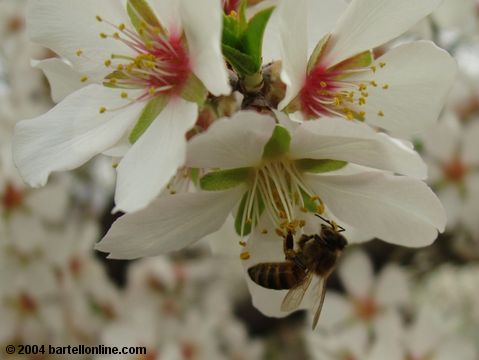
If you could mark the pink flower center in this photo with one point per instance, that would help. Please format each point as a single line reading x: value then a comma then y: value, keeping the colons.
x: 366, y: 309
x: 161, y: 64
x: 455, y: 170
x: 339, y: 91
x: 12, y: 198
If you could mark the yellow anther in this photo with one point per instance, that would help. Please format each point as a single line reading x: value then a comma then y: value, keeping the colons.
x: 124, y: 95
x: 249, y: 221
x: 380, y: 113
x: 385, y: 87
x: 279, y: 232
x: 120, y: 67
x: 320, y: 208
x: 116, y: 35
x: 350, y: 115
x: 374, y: 83
x: 303, y: 209
x: 282, y: 214
x: 102, y: 110
x: 362, y: 87
x: 98, y: 18
x: 314, y: 198
x: 245, y: 255
x: 107, y: 63
x: 365, y: 94
x: 323, y: 84
x: 382, y: 64
x: 79, y: 52
x: 151, y: 90
x: 337, y: 101
x: 302, y: 223
x: 122, y: 27
x: 362, y: 114
x: 373, y: 68
x: 362, y: 101
x: 84, y: 78
x: 242, y: 243
x: 103, y: 35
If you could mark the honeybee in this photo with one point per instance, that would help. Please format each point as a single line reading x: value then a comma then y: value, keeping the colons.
x: 316, y: 255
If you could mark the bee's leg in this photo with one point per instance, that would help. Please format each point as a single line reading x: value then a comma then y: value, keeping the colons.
x: 303, y: 239
x: 288, y: 246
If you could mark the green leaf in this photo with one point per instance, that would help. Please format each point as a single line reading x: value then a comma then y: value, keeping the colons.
x: 253, y: 36
x: 150, y: 113
x: 320, y: 166
x: 141, y: 13
x: 243, y: 63
x: 278, y: 144
x: 194, y: 90
x: 225, y: 179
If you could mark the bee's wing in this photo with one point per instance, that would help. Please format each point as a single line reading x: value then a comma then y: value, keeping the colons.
x: 295, y: 295
x: 319, y: 294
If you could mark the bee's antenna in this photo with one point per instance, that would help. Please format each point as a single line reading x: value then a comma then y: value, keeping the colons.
x: 331, y: 223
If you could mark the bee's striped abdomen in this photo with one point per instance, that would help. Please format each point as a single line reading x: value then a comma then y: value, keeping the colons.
x: 277, y: 276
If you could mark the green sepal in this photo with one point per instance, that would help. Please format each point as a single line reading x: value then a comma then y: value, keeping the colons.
x: 225, y: 179
x: 253, y: 36
x: 242, y: 41
x: 309, y: 204
x: 320, y: 166
x: 243, y: 63
x: 240, y: 213
x: 195, y: 176
x: 194, y: 90
x: 361, y: 60
x: 151, y: 111
x: 140, y: 12
x: 318, y: 51
x: 278, y: 144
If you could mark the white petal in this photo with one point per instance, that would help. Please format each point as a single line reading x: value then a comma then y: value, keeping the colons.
x: 151, y: 162
x: 367, y: 24
x: 170, y: 223
x: 470, y: 150
x: 392, y: 288
x: 426, y: 333
x: 396, y: 209
x: 357, y: 275
x: 66, y: 26
x: 232, y: 142
x: 202, y: 23
x: 63, y: 79
x: 442, y: 141
x: 224, y: 242
x: 334, y: 138
x: 293, y: 29
x: 419, y: 76
x: 71, y: 133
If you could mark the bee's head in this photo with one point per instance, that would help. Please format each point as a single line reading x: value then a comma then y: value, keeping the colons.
x: 332, y: 237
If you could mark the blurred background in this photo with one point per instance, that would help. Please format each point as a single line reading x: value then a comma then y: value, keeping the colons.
x: 384, y: 302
